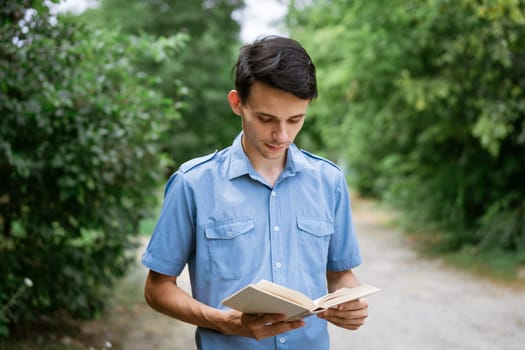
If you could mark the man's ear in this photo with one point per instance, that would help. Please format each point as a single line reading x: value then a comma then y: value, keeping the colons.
x: 235, y: 102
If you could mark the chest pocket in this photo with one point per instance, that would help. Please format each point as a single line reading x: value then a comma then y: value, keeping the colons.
x: 231, y: 244
x: 314, y: 238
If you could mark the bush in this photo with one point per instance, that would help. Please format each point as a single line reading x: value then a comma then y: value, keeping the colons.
x: 80, y: 163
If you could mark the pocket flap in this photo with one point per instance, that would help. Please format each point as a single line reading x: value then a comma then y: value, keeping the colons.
x: 229, y: 230
x: 316, y: 227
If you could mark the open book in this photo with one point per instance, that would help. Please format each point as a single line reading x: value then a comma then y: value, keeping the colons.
x: 266, y: 297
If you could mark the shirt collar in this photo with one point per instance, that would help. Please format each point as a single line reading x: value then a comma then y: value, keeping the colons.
x: 240, y: 164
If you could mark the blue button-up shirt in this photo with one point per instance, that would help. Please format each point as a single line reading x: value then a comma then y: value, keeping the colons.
x: 232, y: 228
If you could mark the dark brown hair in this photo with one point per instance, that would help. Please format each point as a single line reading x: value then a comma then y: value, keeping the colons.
x: 279, y: 62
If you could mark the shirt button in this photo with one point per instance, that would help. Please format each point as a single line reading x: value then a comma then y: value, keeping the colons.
x: 230, y: 233
x: 276, y: 228
x: 278, y: 265
x: 282, y: 340
x: 274, y: 193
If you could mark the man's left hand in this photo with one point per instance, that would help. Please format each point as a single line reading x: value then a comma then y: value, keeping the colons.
x: 350, y: 315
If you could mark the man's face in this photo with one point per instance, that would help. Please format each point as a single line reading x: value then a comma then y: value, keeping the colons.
x: 271, y: 119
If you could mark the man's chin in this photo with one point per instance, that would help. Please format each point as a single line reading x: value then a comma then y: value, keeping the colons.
x: 274, y: 155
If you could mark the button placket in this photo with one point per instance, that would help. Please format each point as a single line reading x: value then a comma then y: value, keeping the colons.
x: 276, y: 238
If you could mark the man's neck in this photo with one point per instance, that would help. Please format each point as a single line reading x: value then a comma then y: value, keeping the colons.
x: 269, y: 169
x: 270, y: 172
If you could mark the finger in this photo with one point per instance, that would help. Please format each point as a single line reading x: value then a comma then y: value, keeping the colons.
x: 349, y: 321
x: 265, y: 319
x: 358, y: 304
x: 345, y: 314
x: 344, y: 318
x: 268, y: 326
x: 352, y: 319
x: 347, y: 311
x: 282, y: 327
x: 348, y: 324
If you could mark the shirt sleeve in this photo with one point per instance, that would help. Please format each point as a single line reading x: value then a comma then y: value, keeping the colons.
x: 172, y: 241
x: 344, y: 251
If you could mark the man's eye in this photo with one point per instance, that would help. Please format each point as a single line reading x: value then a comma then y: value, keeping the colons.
x: 265, y: 120
x: 295, y: 121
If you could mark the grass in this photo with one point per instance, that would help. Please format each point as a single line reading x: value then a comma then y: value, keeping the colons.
x: 499, y: 266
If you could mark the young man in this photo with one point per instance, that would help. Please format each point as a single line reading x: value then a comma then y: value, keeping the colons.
x: 260, y: 209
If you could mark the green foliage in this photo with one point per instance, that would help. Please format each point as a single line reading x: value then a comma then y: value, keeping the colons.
x: 200, y: 78
x: 80, y: 157
x: 427, y: 101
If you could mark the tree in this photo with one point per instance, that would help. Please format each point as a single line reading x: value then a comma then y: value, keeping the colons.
x: 426, y: 99
x: 203, y: 68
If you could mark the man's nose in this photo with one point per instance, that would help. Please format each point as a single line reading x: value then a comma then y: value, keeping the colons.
x: 280, y: 133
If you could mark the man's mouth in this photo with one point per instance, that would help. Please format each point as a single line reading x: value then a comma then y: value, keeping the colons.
x: 276, y: 147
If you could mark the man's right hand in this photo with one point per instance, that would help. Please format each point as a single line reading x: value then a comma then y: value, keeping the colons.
x: 257, y: 326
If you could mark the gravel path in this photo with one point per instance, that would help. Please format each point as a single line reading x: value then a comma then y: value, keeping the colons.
x: 423, y: 303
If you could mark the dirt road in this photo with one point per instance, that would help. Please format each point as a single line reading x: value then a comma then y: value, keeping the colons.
x: 426, y: 305
x: 423, y: 303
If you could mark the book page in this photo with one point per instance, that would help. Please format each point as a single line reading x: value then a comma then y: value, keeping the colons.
x: 344, y: 295
x: 286, y: 293
x: 254, y: 300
